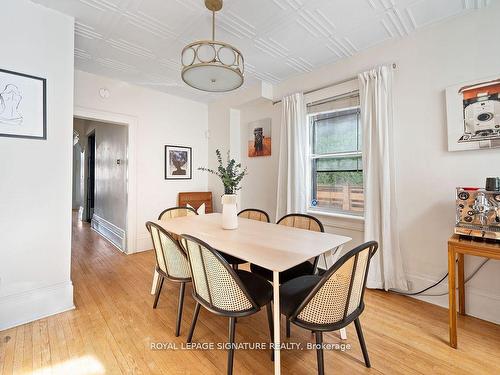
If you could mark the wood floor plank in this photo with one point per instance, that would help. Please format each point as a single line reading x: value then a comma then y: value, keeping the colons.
x: 27, y: 366
x: 7, y: 344
x: 19, y: 350
x: 114, y: 325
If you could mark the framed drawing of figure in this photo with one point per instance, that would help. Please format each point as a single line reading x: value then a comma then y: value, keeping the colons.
x: 23, y: 105
x: 178, y: 163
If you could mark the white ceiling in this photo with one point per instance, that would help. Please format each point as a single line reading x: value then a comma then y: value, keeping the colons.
x: 140, y: 41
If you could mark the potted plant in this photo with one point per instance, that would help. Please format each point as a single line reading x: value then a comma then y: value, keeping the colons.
x: 231, y: 175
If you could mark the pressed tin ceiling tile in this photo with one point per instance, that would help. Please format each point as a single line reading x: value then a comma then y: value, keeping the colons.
x: 140, y: 41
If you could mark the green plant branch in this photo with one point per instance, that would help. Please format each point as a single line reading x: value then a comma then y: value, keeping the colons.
x: 231, y: 174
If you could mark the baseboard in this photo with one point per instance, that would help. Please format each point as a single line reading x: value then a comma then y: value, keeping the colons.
x: 35, y: 304
x: 144, y: 243
x: 109, y: 231
x: 478, y: 303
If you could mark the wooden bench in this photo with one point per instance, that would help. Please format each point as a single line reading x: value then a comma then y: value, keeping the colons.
x: 196, y: 199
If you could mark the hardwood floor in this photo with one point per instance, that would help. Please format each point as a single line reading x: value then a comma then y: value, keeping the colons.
x: 113, y: 326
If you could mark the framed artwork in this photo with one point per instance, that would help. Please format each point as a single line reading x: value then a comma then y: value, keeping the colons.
x: 259, y: 138
x: 473, y: 114
x: 23, y: 105
x: 178, y: 163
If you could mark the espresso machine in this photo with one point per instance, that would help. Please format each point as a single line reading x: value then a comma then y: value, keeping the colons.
x: 478, y: 210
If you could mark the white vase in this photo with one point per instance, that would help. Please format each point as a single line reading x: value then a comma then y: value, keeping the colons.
x: 229, y: 211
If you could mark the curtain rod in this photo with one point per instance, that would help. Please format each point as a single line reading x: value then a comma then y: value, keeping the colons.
x: 394, y: 66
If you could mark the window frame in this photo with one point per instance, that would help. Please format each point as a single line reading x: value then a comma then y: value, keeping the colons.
x: 312, y: 171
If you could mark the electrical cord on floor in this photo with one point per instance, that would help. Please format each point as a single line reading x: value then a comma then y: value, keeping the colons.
x: 422, y: 292
x: 465, y: 281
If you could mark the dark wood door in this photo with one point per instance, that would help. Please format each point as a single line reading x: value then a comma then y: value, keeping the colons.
x: 90, y: 177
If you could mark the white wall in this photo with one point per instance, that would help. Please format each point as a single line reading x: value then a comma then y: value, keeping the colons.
x: 461, y: 49
x: 35, y: 192
x: 161, y: 119
x: 259, y: 188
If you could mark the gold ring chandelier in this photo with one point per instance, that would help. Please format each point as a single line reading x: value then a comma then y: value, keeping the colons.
x: 212, y: 66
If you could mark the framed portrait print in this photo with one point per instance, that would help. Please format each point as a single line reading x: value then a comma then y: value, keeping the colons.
x: 259, y: 138
x: 23, y: 105
x: 178, y: 163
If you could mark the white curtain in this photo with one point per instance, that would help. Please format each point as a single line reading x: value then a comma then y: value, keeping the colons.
x: 292, y: 172
x: 386, y: 268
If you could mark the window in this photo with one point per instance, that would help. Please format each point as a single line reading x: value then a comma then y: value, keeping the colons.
x: 336, y: 158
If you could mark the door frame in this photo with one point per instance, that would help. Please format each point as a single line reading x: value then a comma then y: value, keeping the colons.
x: 131, y: 123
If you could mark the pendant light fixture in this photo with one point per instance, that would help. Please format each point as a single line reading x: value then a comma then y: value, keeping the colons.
x: 212, y: 66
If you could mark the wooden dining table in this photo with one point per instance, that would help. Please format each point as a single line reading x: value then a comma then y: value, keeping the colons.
x: 275, y: 247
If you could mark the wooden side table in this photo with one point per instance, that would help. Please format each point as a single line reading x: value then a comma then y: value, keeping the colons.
x: 457, y: 248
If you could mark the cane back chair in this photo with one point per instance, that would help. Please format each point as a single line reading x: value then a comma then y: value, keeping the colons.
x: 171, y: 263
x: 300, y: 221
x: 224, y: 291
x: 331, y: 301
x: 171, y: 213
x: 254, y: 214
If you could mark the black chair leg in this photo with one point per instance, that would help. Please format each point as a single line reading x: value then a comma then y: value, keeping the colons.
x: 361, y: 339
x: 271, y: 326
x: 287, y: 328
x: 319, y: 352
x: 179, y: 309
x: 193, y: 323
x: 158, y: 290
x: 230, y: 353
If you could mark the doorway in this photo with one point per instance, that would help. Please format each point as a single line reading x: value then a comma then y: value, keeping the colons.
x: 90, y: 177
x: 129, y: 124
x: 103, y: 179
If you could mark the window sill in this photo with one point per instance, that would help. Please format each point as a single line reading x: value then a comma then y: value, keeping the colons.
x: 338, y: 221
x: 335, y: 215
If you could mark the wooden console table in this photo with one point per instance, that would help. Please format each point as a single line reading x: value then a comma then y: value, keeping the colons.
x: 457, y: 248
